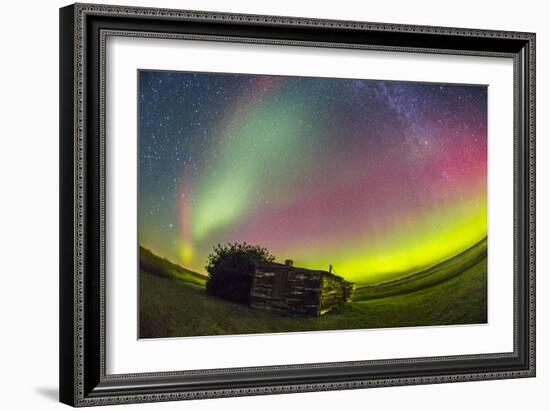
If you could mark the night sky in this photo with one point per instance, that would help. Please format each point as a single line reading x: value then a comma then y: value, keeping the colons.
x: 377, y: 178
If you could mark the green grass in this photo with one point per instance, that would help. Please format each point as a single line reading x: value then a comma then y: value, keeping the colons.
x: 427, y: 278
x: 171, y: 308
x: 163, y: 268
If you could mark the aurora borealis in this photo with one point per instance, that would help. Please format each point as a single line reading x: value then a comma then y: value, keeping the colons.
x: 377, y: 178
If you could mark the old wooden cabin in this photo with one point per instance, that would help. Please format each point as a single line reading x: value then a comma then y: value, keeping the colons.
x: 292, y: 290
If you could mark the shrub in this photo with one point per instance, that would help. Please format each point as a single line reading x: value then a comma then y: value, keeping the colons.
x: 231, y: 269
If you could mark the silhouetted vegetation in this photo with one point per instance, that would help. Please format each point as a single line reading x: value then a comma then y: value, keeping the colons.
x: 231, y: 268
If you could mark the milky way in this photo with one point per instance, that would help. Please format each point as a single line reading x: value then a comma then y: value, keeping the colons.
x: 376, y: 178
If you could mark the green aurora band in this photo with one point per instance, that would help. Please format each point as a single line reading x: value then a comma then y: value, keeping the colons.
x: 378, y: 179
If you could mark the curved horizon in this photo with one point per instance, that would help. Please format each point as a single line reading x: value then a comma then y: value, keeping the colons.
x: 372, y: 177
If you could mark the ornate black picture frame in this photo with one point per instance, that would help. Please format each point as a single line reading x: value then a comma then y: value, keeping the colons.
x: 83, y: 31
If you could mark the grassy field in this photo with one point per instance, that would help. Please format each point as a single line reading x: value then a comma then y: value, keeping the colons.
x: 170, y: 307
x: 427, y: 278
x: 161, y: 267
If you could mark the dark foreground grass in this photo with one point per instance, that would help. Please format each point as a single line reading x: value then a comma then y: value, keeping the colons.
x: 171, y: 308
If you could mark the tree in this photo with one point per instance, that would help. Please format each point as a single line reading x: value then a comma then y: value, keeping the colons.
x: 231, y: 269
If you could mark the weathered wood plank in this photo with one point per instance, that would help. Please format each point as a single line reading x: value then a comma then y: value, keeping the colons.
x: 292, y: 290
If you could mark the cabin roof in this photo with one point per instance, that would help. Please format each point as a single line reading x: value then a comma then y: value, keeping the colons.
x: 279, y: 266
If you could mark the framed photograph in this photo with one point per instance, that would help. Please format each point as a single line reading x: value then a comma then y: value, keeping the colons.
x: 260, y: 204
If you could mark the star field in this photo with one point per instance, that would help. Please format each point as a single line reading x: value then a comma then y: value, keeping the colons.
x: 377, y: 178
